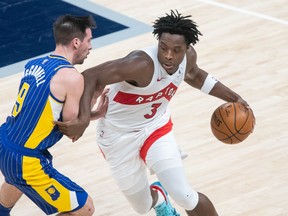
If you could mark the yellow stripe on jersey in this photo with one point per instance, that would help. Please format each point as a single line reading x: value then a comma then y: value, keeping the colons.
x: 48, y: 188
x: 43, y: 127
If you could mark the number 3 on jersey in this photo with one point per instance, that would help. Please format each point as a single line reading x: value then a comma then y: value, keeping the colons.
x: 155, y: 106
x: 20, y: 99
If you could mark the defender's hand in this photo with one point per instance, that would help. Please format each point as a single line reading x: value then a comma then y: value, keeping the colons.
x: 73, y: 129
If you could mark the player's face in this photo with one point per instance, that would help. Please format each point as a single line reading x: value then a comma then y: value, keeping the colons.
x: 84, y: 47
x: 171, y: 51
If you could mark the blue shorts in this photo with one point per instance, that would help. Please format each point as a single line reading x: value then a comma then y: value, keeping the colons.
x: 32, y: 172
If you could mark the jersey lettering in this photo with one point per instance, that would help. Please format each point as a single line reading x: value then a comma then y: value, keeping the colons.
x: 36, y: 71
x: 134, y: 99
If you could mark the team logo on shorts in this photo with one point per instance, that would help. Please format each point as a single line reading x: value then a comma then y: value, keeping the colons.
x: 53, y: 192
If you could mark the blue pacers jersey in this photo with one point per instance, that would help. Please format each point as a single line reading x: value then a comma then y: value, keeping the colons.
x: 31, y: 122
x: 28, y: 133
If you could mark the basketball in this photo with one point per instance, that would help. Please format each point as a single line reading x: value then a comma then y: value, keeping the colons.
x: 231, y: 123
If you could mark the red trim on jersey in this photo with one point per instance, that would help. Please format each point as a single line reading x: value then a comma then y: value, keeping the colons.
x: 153, y: 137
x: 102, y: 152
x: 135, y: 99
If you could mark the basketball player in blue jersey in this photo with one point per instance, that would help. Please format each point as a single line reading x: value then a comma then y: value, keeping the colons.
x: 50, y: 90
x: 137, y: 129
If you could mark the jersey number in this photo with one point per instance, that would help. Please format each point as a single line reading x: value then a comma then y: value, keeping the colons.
x: 153, y: 110
x: 20, y: 99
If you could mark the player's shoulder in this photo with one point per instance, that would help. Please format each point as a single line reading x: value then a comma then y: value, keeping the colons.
x: 35, y: 61
x: 139, y: 55
x: 191, y: 52
x: 70, y: 76
x: 191, y: 57
x: 138, y: 58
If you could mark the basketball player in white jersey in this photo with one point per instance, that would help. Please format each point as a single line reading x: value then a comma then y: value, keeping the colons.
x: 137, y: 130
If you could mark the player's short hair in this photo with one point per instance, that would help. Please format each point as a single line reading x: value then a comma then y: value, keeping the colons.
x: 175, y: 23
x: 68, y: 27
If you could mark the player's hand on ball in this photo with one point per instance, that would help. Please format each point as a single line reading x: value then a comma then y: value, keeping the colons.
x: 241, y: 101
x: 232, y: 123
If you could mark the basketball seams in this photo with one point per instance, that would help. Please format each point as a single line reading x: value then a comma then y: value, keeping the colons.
x: 244, y: 124
x: 235, y: 122
x: 246, y: 120
x: 219, y: 131
x: 226, y: 125
x: 224, y: 122
x: 228, y: 137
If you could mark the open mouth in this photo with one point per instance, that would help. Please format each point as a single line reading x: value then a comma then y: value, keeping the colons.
x: 167, y: 66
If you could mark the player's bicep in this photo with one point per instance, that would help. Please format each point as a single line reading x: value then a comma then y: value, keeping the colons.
x: 127, y: 68
x: 74, y: 89
x: 114, y: 71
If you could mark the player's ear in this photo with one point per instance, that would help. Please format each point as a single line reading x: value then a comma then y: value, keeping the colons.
x: 76, y: 43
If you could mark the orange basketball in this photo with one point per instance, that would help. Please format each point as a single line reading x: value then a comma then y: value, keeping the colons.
x: 232, y: 123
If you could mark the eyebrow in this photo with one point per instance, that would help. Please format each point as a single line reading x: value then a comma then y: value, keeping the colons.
x: 176, y: 46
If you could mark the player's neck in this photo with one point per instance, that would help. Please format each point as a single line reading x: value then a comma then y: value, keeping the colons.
x: 65, y: 52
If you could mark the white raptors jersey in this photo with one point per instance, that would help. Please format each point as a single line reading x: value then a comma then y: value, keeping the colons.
x: 135, y: 108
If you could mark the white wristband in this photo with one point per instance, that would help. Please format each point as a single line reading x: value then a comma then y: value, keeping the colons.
x: 209, y: 83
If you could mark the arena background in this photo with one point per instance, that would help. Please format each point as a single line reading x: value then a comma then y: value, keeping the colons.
x: 244, y: 44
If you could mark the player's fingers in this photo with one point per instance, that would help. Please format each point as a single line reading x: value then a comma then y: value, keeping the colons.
x: 105, y: 101
x: 75, y: 138
x: 106, y: 91
x: 63, y: 129
x: 58, y: 123
x: 61, y: 125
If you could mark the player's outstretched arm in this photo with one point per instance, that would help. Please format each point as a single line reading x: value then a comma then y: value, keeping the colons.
x: 132, y: 68
x: 74, y: 129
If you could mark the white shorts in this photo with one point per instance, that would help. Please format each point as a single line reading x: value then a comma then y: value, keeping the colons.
x: 127, y: 155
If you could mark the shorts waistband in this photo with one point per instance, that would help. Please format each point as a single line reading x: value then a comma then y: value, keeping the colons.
x: 16, y: 148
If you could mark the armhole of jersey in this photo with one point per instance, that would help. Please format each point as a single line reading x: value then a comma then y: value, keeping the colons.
x: 56, y: 70
x: 56, y: 99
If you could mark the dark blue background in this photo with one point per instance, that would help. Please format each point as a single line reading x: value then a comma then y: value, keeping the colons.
x: 26, y: 27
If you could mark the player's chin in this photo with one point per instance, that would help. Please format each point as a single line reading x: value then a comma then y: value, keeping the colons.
x: 81, y: 61
x: 170, y: 68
